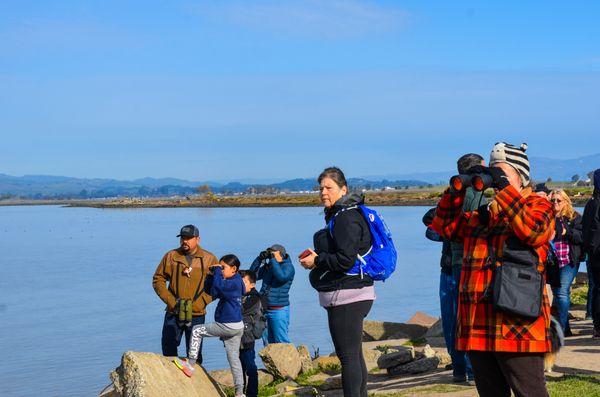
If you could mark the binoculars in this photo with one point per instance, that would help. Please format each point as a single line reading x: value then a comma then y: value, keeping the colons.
x: 266, y: 254
x: 184, y: 312
x: 478, y: 182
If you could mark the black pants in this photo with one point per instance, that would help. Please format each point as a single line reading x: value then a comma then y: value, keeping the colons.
x: 346, y: 328
x: 497, y: 373
x: 595, y: 274
x: 172, y: 333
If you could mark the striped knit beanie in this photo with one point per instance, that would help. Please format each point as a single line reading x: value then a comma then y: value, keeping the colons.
x: 503, y: 152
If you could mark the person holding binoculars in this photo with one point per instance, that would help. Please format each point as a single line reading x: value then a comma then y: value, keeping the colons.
x: 503, y: 316
x: 185, y: 270
x: 225, y: 284
x: 274, y: 267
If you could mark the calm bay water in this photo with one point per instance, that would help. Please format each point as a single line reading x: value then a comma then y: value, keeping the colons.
x: 75, y: 291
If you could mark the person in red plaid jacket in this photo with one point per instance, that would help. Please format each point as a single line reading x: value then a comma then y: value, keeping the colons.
x: 506, y: 351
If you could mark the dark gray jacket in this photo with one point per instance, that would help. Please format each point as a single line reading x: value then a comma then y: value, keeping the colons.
x: 591, y: 225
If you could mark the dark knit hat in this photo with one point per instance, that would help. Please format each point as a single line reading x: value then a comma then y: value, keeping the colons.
x: 503, y: 152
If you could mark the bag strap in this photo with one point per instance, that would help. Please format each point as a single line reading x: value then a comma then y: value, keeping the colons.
x: 200, y: 283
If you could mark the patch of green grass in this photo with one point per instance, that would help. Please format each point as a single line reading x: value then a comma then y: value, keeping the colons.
x: 574, y: 386
x: 579, y: 295
x: 332, y: 369
x: 303, y: 379
x: 415, y: 342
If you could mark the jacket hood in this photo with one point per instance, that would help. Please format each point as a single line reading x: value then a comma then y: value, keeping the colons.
x: 346, y: 201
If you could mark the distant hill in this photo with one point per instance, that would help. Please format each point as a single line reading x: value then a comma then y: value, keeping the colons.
x: 562, y: 170
x: 542, y: 169
x: 47, y: 186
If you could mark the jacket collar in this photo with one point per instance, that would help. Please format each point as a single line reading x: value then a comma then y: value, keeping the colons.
x: 346, y: 201
x: 180, y: 256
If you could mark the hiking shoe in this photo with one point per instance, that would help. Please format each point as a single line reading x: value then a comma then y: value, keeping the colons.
x: 184, y: 366
x: 459, y: 379
x: 596, y: 334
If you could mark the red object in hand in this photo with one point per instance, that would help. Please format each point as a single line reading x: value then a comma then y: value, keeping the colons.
x: 304, y: 254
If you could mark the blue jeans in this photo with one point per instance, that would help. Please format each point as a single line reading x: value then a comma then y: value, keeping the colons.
x: 590, y: 295
x: 461, y: 366
x: 278, y: 322
x: 250, y: 372
x: 172, y: 333
x: 562, y: 295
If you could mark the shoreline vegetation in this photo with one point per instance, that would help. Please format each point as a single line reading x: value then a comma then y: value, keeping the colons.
x: 410, y: 197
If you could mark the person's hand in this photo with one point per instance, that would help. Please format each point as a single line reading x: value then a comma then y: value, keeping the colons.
x: 308, y: 262
x: 277, y: 256
x: 499, y: 177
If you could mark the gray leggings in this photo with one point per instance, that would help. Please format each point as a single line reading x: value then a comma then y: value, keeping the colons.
x: 231, y: 339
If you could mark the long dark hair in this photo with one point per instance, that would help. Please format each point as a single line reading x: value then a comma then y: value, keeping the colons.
x: 231, y: 260
x: 335, y: 174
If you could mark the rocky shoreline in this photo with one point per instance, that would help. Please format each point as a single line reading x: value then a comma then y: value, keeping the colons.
x: 403, y: 359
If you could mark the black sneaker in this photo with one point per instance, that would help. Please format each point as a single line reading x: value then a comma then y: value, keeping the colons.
x: 596, y: 334
x: 459, y: 378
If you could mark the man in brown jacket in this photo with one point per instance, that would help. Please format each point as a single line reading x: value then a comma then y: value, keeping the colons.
x: 178, y: 278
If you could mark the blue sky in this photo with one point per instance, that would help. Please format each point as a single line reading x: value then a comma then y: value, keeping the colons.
x: 268, y: 89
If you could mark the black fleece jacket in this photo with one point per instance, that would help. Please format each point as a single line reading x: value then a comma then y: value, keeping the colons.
x: 337, y: 251
x: 573, y: 235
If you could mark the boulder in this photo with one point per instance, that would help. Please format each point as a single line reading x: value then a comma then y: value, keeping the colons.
x: 264, y: 378
x: 223, y: 377
x: 383, y: 330
x: 332, y: 383
x: 305, y: 360
x: 435, y: 331
x: 415, y: 367
x: 281, y: 360
x: 405, y: 355
x: 323, y: 363
x: 423, y: 319
x: 153, y: 375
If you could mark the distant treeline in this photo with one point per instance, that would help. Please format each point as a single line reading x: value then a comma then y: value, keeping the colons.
x: 63, y: 191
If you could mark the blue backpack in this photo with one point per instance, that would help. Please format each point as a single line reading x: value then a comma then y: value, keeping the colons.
x: 380, y: 261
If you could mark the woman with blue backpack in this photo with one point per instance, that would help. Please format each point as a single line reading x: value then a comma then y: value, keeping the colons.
x: 350, y: 252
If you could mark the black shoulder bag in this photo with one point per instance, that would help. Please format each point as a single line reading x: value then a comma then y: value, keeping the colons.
x: 518, y: 286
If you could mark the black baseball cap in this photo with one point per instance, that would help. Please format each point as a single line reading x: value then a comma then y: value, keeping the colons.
x: 189, y: 231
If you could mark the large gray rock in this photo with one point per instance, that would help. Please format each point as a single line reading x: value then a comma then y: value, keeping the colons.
x: 415, y: 367
x: 405, y: 355
x: 435, y: 331
x: 383, y: 330
x: 305, y: 359
x: 153, y: 375
x: 281, y: 360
